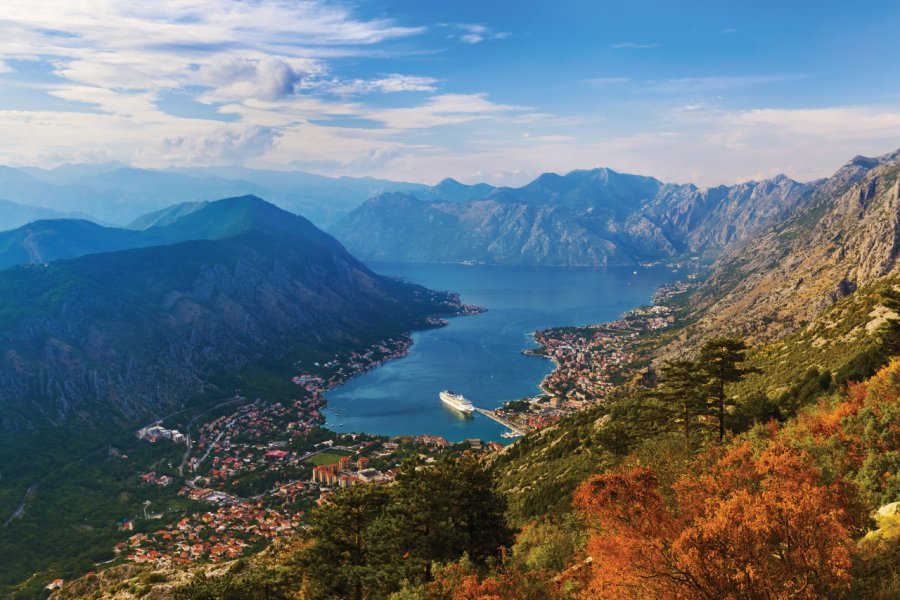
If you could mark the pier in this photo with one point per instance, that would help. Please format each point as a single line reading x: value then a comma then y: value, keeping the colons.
x: 490, y: 415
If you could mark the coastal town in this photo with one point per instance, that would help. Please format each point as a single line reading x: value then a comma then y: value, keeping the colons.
x: 589, y: 362
x: 251, y: 469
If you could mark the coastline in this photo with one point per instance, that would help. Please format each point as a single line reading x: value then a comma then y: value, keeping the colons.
x: 392, y: 348
x: 590, y: 361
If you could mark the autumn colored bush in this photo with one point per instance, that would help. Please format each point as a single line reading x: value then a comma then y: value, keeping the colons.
x: 749, y: 526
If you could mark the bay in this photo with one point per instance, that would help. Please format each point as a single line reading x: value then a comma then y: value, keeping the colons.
x: 481, y: 356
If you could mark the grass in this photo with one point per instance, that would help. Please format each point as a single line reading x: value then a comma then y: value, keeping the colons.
x: 327, y: 458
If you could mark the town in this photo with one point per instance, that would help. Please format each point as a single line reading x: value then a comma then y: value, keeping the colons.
x: 589, y: 363
x: 253, y: 469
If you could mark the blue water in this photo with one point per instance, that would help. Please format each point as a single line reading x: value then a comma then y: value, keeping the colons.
x: 481, y: 356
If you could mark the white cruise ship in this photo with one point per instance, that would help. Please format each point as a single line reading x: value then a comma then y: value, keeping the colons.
x: 457, y: 401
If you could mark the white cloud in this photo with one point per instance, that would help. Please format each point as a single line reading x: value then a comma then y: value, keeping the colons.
x: 388, y: 84
x: 224, y: 145
x: 268, y: 78
x: 445, y: 109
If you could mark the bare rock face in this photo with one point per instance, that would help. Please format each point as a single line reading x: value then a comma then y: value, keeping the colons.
x: 845, y: 235
x: 596, y: 217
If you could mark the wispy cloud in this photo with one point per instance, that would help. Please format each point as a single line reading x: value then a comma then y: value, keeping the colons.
x: 394, y: 82
x: 446, y: 109
x: 633, y: 45
x: 475, y: 33
x: 729, y: 30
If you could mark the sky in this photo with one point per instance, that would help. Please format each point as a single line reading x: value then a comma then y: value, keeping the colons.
x: 708, y: 92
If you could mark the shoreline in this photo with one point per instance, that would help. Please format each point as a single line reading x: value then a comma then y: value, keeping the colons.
x: 590, y: 361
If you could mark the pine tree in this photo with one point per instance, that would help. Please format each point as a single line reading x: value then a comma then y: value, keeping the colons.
x: 681, y: 395
x: 344, y: 560
x: 676, y: 404
x: 719, y: 360
x: 443, y: 512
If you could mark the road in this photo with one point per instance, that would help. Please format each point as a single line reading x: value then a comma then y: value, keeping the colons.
x: 490, y: 415
x: 187, y: 433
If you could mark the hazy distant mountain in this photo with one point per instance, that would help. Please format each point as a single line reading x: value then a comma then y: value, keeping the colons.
x: 13, y: 214
x: 120, y: 335
x: 119, y: 194
x: 451, y: 190
x: 594, y: 217
x: 50, y: 240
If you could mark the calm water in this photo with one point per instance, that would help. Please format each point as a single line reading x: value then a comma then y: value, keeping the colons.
x: 480, y: 356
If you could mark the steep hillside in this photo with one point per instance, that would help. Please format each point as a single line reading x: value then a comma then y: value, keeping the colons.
x: 847, y: 342
x: 844, y: 236
x: 483, y: 230
x: 595, y: 217
x: 125, y: 334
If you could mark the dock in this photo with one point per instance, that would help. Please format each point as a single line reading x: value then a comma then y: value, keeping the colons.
x: 490, y: 415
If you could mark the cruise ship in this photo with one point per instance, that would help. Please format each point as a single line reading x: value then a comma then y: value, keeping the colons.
x: 457, y: 401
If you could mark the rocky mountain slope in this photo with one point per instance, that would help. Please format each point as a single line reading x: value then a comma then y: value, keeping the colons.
x: 122, y: 335
x: 595, y: 217
x: 845, y: 235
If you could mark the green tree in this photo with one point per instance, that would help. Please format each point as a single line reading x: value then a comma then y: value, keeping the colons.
x: 442, y: 512
x: 347, y: 558
x: 681, y: 395
x: 720, y: 360
x: 675, y: 404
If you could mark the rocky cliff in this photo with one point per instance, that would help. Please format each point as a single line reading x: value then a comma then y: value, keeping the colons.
x: 595, y: 217
x: 845, y: 234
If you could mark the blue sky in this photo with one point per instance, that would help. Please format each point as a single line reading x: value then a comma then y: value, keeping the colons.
x: 708, y: 92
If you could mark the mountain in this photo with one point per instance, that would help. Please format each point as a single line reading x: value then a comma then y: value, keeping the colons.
x: 845, y: 235
x: 120, y: 336
x: 117, y: 193
x: 595, y: 217
x: 404, y: 228
x: 14, y: 215
x: 49, y: 240
x: 451, y: 190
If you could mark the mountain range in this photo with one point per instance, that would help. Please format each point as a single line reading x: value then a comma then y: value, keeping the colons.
x: 116, y: 193
x: 584, y: 218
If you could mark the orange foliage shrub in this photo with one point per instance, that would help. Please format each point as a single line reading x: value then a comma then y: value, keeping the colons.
x: 746, y: 527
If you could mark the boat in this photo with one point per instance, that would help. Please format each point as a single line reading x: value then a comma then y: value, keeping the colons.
x: 510, y: 434
x: 457, y: 402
